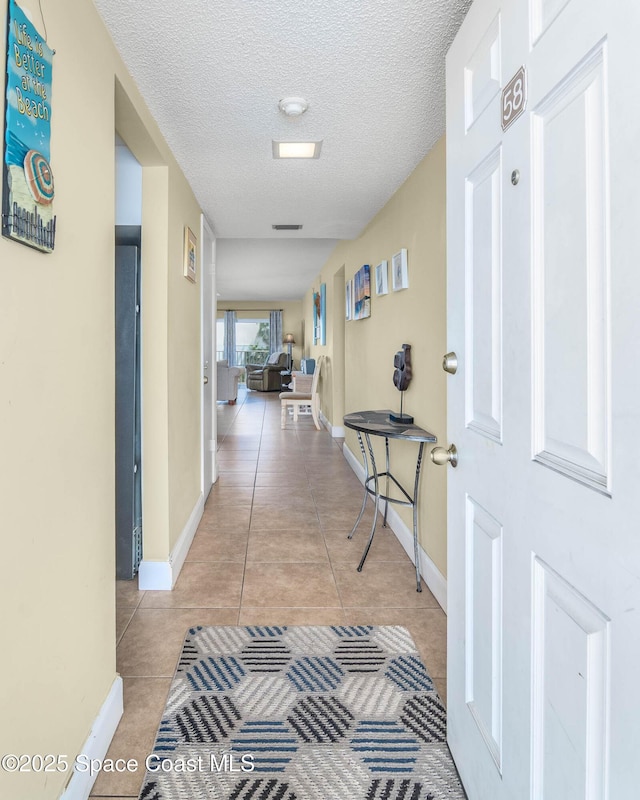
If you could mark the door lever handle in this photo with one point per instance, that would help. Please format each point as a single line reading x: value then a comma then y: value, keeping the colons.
x: 440, y: 456
x: 206, y: 379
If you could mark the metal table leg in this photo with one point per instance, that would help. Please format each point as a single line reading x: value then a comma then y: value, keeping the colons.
x: 372, y: 474
x: 366, y: 478
x: 377, y: 491
x: 415, y: 517
x: 386, y: 491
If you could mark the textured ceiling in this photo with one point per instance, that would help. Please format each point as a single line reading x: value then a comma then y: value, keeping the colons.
x: 213, y: 73
x: 268, y: 269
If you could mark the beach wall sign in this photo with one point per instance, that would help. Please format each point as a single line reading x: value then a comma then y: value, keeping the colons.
x: 27, y: 187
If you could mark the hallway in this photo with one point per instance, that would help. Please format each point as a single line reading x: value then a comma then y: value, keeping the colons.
x: 271, y: 549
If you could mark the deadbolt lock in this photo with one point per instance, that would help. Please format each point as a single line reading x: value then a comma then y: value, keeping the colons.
x: 450, y: 363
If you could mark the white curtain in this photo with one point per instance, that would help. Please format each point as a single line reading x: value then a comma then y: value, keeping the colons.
x: 230, y: 337
x: 275, y: 331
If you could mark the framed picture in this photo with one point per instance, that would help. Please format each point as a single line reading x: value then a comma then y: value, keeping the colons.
x: 190, y: 255
x: 323, y: 313
x: 348, y: 301
x: 399, y: 272
x: 320, y: 315
x: 316, y: 317
x: 28, y: 191
x: 362, y: 293
x: 382, y: 285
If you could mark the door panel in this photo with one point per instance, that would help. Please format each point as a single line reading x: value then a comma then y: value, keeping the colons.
x: 482, y: 73
x: 570, y: 270
x: 484, y: 580
x: 543, y: 13
x: 483, y: 321
x: 570, y: 679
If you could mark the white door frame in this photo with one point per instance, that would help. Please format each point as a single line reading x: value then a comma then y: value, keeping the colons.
x: 208, y: 307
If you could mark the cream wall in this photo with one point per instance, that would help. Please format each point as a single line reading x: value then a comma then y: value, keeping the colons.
x: 57, y: 404
x: 291, y: 317
x: 171, y: 359
x: 413, y: 218
x: 184, y: 363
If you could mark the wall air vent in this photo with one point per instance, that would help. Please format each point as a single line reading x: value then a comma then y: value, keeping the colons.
x: 286, y: 227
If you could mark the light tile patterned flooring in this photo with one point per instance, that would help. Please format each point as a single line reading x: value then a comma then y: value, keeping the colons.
x: 271, y: 548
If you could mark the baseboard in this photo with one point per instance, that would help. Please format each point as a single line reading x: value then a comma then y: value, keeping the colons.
x: 162, y: 575
x: 434, y: 579
x: 96, y: 746
x: 336, y: 431
x: 181, y: 548
x: 432, y: 576
x: 155, y: 575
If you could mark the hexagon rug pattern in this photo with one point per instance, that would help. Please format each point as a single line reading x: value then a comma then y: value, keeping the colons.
x: 301, y: 713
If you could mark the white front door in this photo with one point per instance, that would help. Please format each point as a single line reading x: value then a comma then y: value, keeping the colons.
x: 544, y: 315
x: 207, y: 240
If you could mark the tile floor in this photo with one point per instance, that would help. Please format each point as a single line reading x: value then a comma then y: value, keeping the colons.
x: 271, y: 548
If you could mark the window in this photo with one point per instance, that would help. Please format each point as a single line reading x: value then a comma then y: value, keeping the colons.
x: 252, y: 341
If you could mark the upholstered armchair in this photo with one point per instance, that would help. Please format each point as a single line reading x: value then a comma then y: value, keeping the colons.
x: 227, y: 382
x: 266, y: 377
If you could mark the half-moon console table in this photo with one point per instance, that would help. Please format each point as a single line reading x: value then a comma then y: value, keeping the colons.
x: 377, y: 423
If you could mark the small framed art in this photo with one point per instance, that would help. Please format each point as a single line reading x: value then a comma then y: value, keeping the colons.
x: 190, y: 255
x: 320, y: 315
x: 382, y: 284
x: 362, y: 293
x: 399, y: 271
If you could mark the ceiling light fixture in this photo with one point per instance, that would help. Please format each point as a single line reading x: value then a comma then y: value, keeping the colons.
x: 293, y: 106
x: 296, y: 149
x: 288, y: 227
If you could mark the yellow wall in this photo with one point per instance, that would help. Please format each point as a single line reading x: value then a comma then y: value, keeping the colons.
x: 171, y: 359
x: 57, y: 405
x: 291, y: 318
x: 413, y: 218
x: 184, y: 363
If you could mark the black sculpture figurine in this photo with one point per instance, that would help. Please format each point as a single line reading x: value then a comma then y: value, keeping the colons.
x: 402, y: 375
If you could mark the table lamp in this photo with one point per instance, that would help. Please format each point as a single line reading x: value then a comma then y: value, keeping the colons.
x: 289, y: 341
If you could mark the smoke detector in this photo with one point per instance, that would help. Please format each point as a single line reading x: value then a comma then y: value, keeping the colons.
x: 293, y: 106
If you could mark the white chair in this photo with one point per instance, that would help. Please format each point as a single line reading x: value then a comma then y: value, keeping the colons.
x: 227, y: 384
x: 296, y: 400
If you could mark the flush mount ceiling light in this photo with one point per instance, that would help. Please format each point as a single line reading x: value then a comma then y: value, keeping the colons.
x: 293, y: 106
x: 296, y: 149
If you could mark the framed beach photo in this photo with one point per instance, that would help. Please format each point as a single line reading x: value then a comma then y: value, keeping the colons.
x: 190, y: 255
x: 382, y: 284
x: 399, y: 271
x: 362, y: 293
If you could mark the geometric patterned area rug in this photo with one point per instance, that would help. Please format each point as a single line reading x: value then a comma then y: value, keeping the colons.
x: 301, y: 713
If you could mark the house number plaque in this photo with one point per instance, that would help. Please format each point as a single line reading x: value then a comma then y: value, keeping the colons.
x: 514, y: 98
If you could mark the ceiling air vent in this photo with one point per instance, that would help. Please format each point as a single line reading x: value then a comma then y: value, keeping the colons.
x: 286, y: 227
